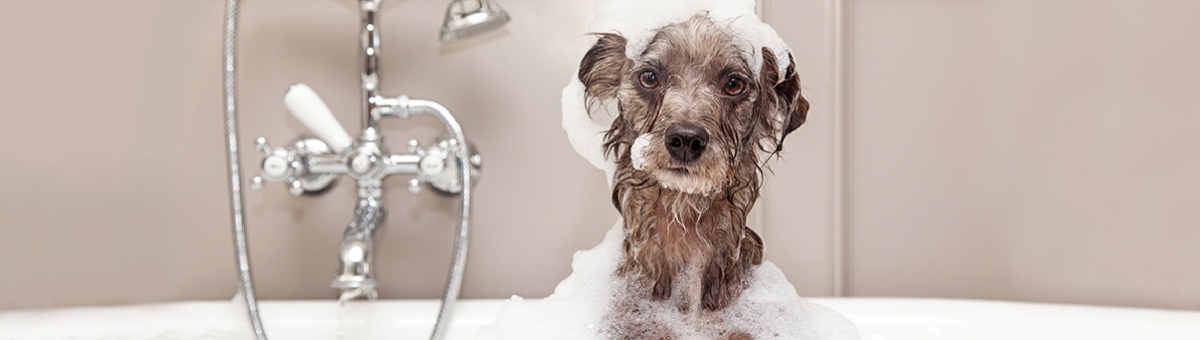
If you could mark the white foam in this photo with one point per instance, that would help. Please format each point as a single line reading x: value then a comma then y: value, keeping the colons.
x: 636, y: 20
x: 577, y: 306
x: 637, y: 152
x: 768, y: 309
x: 586, y: 136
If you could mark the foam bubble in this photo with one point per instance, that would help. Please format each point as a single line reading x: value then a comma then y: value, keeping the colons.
x: 636, y: 20
x: 637, y: 152
x: 586, y: 136
x: 577, y: 306
x: 768, y: 309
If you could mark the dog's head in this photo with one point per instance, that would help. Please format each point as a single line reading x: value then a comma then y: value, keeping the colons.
x: 693, y: 115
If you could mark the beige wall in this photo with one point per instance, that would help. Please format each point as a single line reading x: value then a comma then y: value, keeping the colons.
x: 1023, y: 149
x: 985, y: 149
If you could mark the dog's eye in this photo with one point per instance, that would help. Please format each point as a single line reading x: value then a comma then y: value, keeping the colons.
x: 735, y: 86
x: 648, y: 79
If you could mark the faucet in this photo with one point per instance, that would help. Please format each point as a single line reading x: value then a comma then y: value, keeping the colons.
x: 310, y: 165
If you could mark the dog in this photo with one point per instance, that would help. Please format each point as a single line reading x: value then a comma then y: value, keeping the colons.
x: 693, y: 123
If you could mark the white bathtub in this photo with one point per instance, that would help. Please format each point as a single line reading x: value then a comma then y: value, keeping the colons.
x: 877, y: 319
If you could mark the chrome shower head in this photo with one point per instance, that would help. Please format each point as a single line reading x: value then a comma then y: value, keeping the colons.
x: 468, y: 18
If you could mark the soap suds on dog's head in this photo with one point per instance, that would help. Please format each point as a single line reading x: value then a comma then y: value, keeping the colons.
x: 636, y: 20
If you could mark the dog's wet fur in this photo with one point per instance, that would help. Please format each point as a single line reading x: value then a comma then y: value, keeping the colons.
x: 686, y: 240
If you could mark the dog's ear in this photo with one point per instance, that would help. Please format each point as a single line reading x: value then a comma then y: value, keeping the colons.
x: 791, y: 106
x: 796, y: 107
x: 602, y: 66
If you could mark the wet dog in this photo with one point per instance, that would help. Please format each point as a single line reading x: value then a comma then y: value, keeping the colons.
x: 694, y: 125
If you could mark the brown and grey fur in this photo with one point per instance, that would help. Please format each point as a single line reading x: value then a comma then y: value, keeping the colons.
x: 686, y: 239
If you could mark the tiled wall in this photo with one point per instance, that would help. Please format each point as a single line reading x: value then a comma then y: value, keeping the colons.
x: 1005, y: 149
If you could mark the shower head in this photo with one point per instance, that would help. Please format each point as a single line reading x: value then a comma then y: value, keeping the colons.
x: 468, y: 18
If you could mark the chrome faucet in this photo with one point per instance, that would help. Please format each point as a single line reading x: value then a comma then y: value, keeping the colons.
x: 313, y: 164
x: 310, y: 165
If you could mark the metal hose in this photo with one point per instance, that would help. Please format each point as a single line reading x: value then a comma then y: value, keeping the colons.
x: 246, y: 283
x: 462, y: 235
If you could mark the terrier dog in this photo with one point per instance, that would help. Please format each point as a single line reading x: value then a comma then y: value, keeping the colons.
x: 693, y: 122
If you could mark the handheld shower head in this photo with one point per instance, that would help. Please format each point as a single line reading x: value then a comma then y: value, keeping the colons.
x: 468, y: 18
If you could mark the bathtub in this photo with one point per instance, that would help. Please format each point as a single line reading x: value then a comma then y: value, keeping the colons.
x: 877, y: 319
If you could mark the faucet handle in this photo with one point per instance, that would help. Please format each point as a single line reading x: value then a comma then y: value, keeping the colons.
x: 311, y: 111
x: 260, y: 144
x: 292, y: 165
x: 270, y: 165
x: 438, y: 167
x: 277, y: 164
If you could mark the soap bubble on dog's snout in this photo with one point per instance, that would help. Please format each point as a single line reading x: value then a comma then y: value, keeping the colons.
x: 637, y: 152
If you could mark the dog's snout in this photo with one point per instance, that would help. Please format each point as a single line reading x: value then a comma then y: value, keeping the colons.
x: 685, y: 142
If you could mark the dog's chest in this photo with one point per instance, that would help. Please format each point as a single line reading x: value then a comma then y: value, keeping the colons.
x: 690, y: 245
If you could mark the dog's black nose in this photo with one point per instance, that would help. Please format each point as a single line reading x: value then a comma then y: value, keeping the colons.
x: 685, y: 142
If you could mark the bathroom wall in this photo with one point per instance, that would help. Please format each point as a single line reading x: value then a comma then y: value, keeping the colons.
x: 1029, y: 150
x: 1007, y: 149
x: 1002, y: 149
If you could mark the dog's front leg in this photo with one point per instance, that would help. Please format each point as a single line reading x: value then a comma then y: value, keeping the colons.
x: 721, y: 283
x: 725, y: 275
x: 648, y: 263
x: 663, y: 278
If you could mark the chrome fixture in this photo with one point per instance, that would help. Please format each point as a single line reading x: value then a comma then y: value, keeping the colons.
x: 240, y: 243
x: 311, y: 165
x: 449, y: 166
x: 468, y: 18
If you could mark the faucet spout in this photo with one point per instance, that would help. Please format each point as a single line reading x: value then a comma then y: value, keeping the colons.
x: 355, y: 276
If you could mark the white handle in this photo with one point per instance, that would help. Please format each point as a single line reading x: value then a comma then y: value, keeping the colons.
x: 308, y: 108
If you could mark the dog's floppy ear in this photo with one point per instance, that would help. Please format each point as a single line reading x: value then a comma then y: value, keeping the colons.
x: 602, y: 66
x: 792, y: 107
